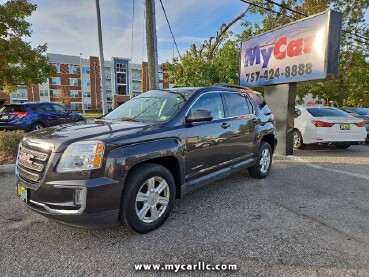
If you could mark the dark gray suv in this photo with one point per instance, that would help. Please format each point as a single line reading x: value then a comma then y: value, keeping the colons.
x: 130, y: 166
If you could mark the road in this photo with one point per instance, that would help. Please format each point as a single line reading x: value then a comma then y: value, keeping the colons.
x: 309, y: 217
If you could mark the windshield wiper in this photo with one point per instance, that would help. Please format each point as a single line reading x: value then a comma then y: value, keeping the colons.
x: 128, y: 119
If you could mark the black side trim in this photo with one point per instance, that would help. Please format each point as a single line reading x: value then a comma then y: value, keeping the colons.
x: 215, y: 176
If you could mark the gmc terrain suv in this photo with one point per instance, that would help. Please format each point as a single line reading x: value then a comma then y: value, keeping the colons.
x: 130, y: 165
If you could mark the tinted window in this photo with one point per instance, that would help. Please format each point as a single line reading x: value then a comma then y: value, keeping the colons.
x: 319, y: 112
x: 42, y: 108
x: 211, y: 102
x: 237, y: 105
x: 362, y: 111
x: 12, y: 108
x: 59, y: 109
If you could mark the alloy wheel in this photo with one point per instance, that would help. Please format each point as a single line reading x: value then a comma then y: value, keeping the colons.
x: 265, y: 160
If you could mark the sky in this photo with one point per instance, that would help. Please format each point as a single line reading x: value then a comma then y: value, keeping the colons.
x: 70, y: 26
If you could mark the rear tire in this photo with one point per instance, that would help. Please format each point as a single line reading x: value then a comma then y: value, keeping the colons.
x: 263, y: 162
x: 148, y: 198
x: 37, y: 126
x: 298, y: 142
x: 342, y: 146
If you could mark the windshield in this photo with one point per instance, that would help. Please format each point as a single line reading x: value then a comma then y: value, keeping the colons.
x: 320, y: 112
x: 157, y: 106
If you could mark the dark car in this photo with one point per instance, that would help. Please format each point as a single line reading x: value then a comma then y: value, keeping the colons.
x: 361, y: 113
x: 130, y: 165
x: 34, y: 116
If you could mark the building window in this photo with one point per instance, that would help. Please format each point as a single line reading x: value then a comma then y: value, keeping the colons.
x: 56, y: 81
x: 86, y: 82
x: 122, y: 90
x: 54, y: 92
x: 44, y: 92
x: 74, y: 106
x: 161, y: 76
x: 74, y: 93
x: 121, y: 67
x: 121, y: 78
x: 87, y: 106
x: 85, y: 69
x: 87, y: 94
x: 73, y: 81
x: 73, y: 69
x: 57, y: 67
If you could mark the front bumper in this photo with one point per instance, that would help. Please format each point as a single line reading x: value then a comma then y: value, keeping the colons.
x: 97, y: 206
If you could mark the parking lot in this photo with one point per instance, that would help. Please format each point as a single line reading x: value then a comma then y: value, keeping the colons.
x: 308, y: 217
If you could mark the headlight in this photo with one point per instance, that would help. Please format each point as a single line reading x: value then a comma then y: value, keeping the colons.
x: 82, y: 155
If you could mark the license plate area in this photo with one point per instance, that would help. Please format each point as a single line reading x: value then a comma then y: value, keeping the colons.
x: 4, y: 117
x: 345, y: 126
x: 22, y: 193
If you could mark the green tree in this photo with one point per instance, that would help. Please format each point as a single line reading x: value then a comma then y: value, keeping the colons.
x: 20, y: 63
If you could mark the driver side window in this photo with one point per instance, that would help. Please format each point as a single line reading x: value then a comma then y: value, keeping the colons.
x: 211, y: 102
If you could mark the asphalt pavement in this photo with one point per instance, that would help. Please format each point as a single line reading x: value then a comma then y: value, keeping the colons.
x: 309, y: 217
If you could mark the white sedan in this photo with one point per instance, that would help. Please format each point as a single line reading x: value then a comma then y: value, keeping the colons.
x: 326, y: 125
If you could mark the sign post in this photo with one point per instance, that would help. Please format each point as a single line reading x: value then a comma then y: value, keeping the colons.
x: 305, y: 50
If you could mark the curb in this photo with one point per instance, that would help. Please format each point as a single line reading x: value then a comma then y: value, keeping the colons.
x: 8, y: 168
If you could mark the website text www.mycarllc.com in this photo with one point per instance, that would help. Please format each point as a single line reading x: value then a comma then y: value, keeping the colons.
x: 174, y: 267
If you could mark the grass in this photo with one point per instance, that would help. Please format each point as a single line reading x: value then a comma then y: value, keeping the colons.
x: 91, y: 115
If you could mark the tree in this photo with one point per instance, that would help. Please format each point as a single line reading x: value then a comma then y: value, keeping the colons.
x: 20, y: 63
x: 63, y: 96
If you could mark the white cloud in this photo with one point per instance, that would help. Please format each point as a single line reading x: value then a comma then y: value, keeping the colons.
x: 70, y: 27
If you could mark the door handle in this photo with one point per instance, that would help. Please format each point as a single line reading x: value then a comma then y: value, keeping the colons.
x: 225, y: 125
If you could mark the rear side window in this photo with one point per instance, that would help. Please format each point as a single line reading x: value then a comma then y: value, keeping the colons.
x: 320, y: 112
x: 12, y: 108
x: 237, y: 104
x: 258, y: 99
x: 43, y: 108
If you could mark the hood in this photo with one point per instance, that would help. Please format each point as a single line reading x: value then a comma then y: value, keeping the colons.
x: 56, y: 139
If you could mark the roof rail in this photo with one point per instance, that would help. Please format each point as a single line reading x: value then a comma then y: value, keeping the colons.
x: 225, y: 85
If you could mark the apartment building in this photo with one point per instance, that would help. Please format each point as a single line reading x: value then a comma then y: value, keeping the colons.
x: 79, y: 80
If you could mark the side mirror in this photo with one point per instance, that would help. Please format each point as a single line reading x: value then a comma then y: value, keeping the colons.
x: 199, y: 116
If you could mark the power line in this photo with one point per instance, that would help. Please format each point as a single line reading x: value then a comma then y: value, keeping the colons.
x: 284, y: 7
x: 264, y: 8
x: 170, y: 29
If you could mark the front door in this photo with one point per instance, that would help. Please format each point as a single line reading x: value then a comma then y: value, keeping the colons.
x: 208, y: 146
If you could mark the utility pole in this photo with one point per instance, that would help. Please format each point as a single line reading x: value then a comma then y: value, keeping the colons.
x: 102, y: 62
x: 152, y: 47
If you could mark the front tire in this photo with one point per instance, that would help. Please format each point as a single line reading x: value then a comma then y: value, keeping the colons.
x: 263, y: 162
x: 148, y: 198
x: 37, y: 126
x: 298, y: 142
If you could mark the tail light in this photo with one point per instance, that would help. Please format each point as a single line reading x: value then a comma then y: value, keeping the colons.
x: 20, y: 114
x: 319, y: 123
x: 360, y: 124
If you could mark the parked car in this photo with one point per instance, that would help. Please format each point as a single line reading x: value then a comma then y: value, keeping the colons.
x: 327, y: 125
x: 35, y: 116
x: 361, y: 113
x: 130, y: 165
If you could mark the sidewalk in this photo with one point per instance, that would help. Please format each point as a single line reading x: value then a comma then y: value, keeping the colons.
x: 7, y: 168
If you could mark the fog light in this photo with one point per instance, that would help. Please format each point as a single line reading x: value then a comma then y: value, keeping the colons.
x: 78, y: 197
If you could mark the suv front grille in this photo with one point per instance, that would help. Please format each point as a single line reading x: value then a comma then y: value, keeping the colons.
x: 31, y: 164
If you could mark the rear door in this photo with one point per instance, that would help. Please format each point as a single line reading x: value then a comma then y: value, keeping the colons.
x: 241, y: 113
x: 208, y: 146
x: 61, y: 113
x: 46, y: 114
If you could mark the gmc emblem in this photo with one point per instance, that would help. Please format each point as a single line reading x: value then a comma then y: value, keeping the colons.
x: 25, y: 157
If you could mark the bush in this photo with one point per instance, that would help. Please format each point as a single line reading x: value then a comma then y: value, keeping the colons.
x: 9, y: 141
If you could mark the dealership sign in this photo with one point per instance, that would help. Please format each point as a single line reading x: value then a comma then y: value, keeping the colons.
x: 304, y: 50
